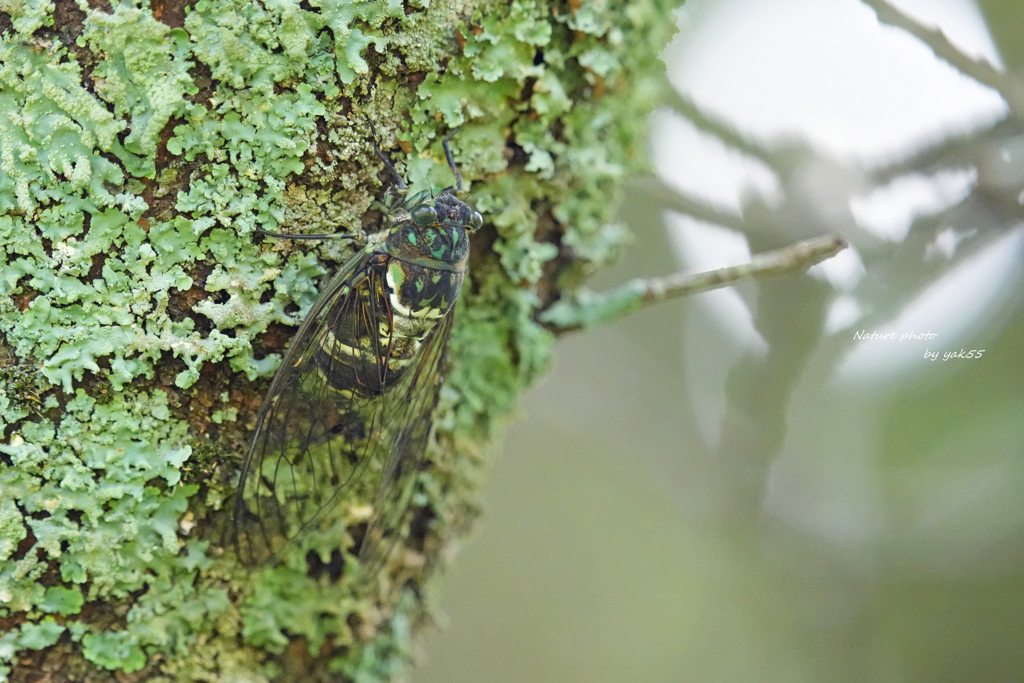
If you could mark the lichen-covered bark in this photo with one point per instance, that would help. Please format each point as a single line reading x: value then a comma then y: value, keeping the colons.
x: 141, y: 145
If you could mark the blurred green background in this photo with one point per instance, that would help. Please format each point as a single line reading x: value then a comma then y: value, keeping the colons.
x: 733, y: 488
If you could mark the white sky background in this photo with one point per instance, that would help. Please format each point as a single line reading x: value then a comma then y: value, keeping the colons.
x: 825, y: 71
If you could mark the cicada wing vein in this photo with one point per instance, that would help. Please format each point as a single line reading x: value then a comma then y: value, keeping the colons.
x: 314, y: 444
x: 300, y: 461
x: 416, y: 397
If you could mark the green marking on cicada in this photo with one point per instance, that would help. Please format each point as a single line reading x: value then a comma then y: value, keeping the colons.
x: 396, y: 273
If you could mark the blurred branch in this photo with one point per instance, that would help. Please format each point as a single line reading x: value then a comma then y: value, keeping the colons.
x: 978, y: 69
x: 909, y: 267
x: 951, y: 152
x: 676, y: 200
x: 717, y: 127
x: 790, y: 317
x: 588, y: 309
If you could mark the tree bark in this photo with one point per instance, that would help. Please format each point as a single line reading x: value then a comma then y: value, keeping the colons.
x: 141, y: 147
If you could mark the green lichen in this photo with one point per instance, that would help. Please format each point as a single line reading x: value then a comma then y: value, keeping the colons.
x: 113, y: 650
x: 143, y: 71
x: 137, y: 162
x: 60, y: 600
x: 28, y: 15
x: 30, y: 636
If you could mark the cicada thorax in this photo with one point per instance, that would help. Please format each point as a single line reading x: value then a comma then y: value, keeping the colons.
x: 413, y: 279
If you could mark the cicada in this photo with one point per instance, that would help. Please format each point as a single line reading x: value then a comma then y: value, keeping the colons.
x: 350, y: 408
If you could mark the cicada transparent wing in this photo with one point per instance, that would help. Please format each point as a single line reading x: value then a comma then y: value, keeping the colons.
x: 338, y: 417
x: 398, y: 481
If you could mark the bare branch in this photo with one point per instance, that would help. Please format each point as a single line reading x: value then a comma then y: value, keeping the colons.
x: 588, y: 309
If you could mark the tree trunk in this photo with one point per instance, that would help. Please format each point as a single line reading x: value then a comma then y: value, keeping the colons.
x: 140, y: 148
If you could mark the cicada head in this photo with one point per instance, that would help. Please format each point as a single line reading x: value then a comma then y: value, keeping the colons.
x: 434, y: 232
x: 450, y: 212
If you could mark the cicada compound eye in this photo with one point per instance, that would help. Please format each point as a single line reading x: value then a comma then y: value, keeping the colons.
x: 477, y: 221
x: 424, y: 214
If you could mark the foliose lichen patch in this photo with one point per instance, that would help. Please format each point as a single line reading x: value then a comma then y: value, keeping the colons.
x: 138, y: 311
